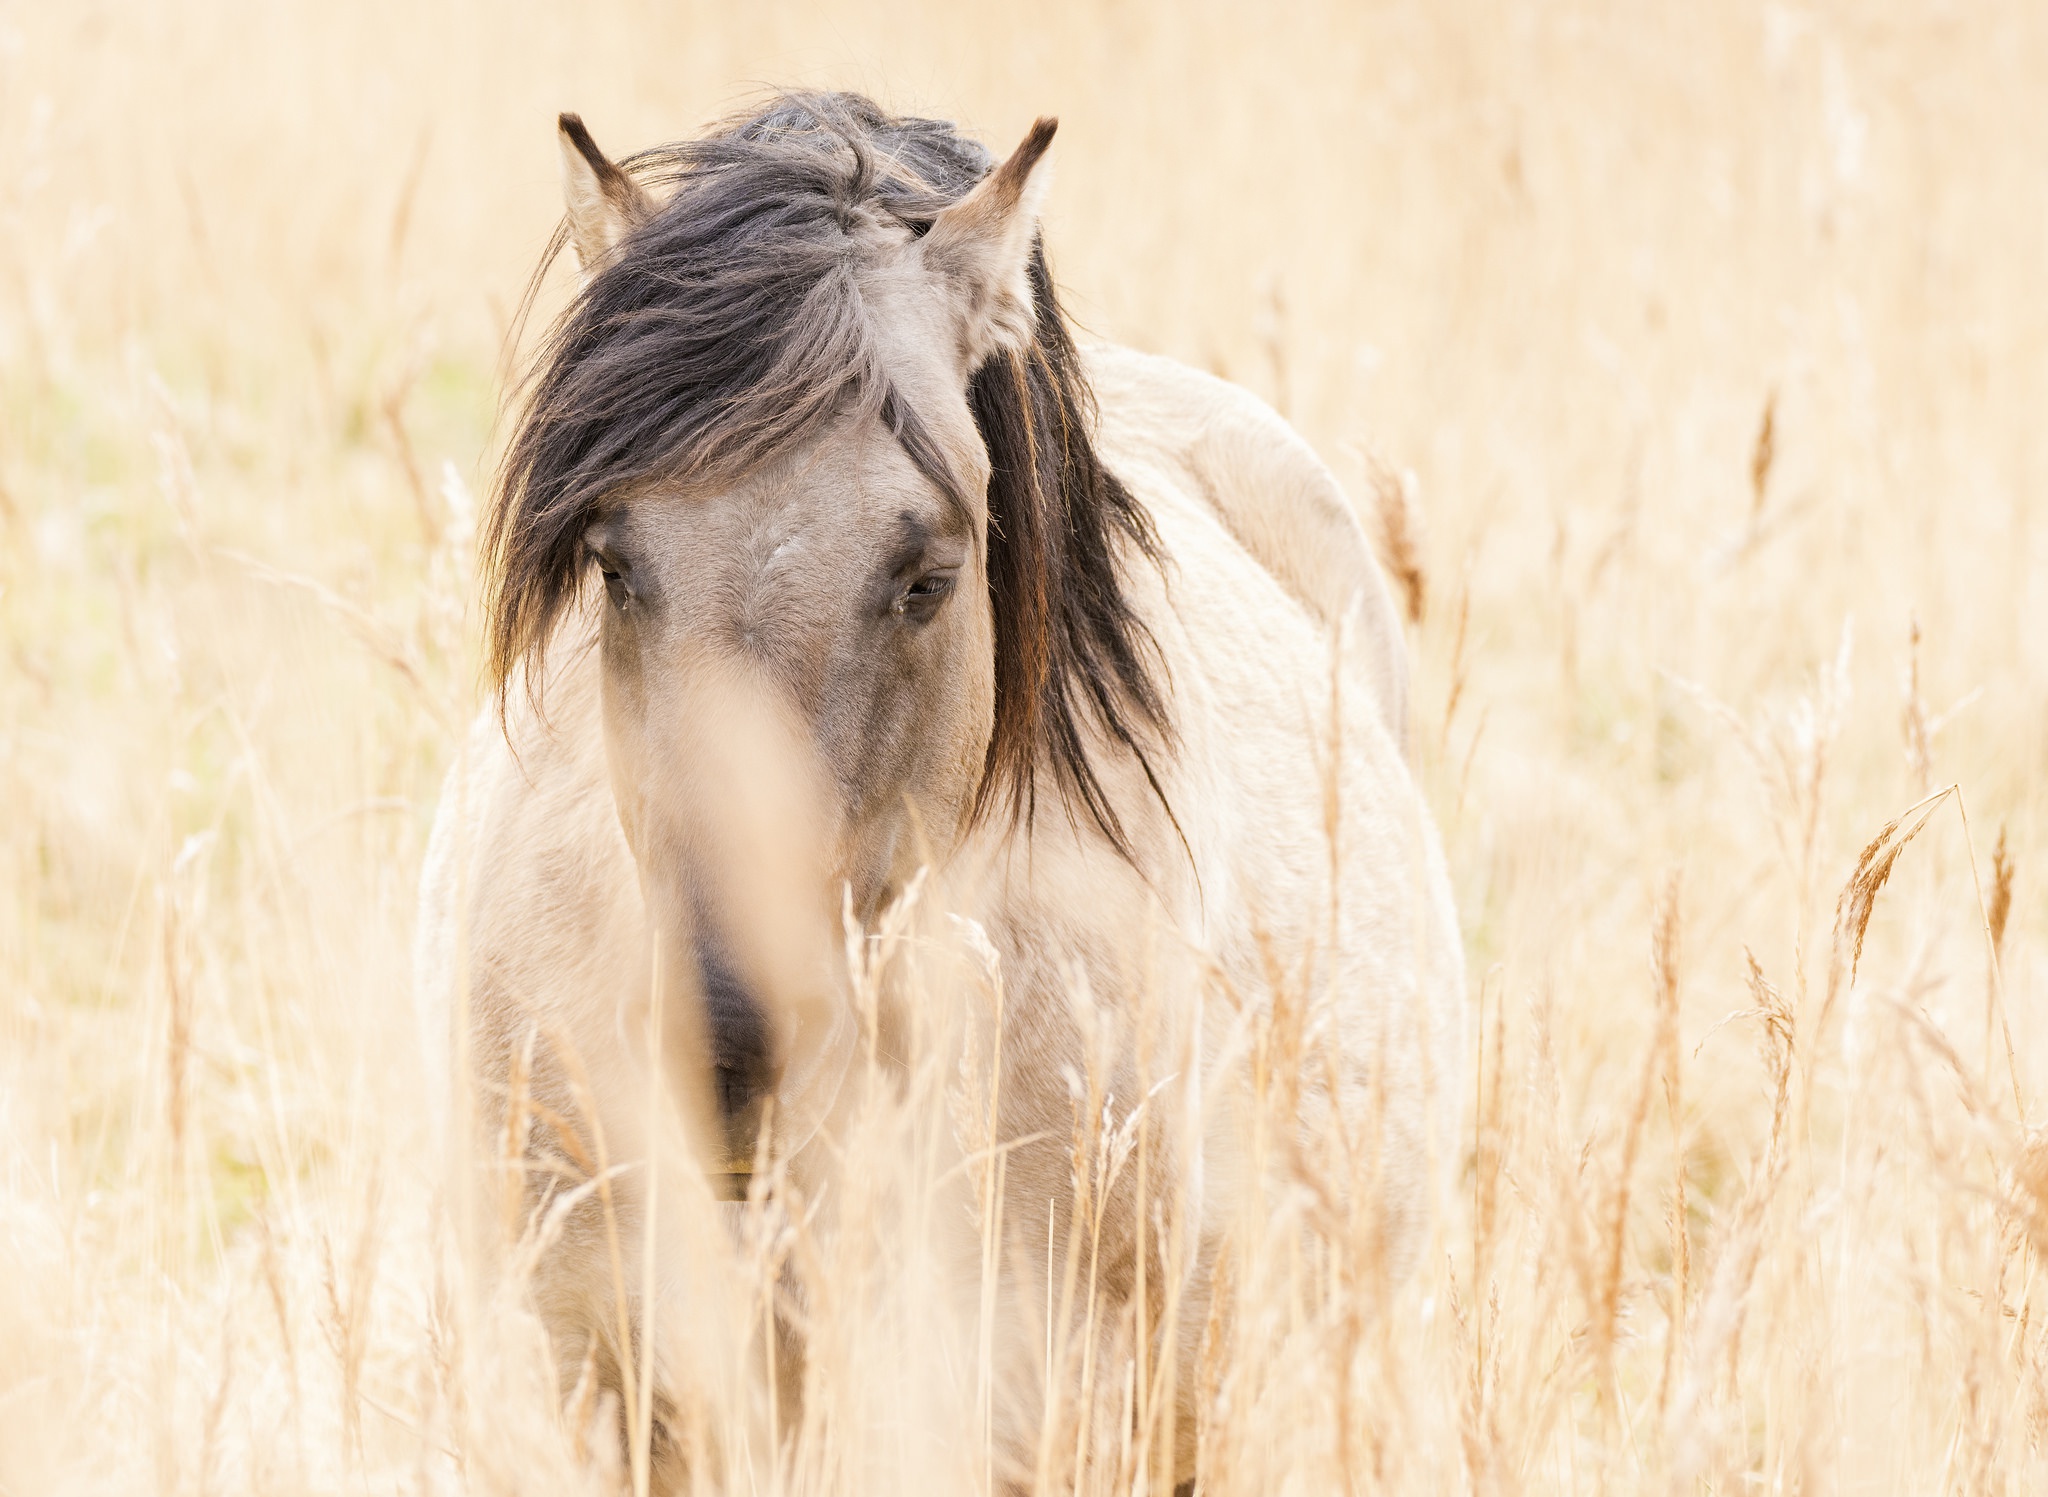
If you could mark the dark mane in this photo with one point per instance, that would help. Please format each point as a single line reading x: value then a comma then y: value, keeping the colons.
x: 729, y: 324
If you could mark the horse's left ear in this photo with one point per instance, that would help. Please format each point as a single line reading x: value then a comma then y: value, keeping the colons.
x: 981, y: 248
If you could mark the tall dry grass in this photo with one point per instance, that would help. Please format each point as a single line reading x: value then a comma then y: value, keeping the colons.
x: 1712, y: 338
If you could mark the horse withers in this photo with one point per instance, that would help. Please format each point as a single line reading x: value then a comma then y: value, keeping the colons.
x: 823, y: 555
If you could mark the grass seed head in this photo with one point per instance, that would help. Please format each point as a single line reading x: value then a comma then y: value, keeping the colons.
x: 1999, y: 907
x: 1762, y: 454
x: 1396, y: 531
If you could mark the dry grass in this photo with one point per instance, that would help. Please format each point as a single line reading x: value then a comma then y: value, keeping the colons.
x: 1704, y: 331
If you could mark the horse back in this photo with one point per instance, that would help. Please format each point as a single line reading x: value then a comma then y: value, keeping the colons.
x: 1267, y: 488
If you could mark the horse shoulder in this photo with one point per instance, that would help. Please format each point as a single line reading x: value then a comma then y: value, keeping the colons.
x: 1265, y: 485
x: 527, y: 891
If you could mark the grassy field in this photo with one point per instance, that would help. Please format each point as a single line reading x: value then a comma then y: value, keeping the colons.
x: 1706, y: 342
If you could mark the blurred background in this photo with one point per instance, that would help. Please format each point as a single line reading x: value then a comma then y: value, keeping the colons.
x: 1705, y: 345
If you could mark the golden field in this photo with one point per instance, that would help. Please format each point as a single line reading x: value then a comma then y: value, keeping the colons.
x: 1707, y: 350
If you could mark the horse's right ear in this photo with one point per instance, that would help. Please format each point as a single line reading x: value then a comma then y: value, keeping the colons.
x: 981, y: 248
x: 604, y: 203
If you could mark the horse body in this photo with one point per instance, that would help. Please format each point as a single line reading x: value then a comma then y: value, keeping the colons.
x: 1288, y: 676
x: 1273, y: 836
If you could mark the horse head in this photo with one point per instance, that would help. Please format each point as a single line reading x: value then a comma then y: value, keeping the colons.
x: 786, y: 459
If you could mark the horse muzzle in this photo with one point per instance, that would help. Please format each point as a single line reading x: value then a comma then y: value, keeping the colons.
x: 776, y: 1060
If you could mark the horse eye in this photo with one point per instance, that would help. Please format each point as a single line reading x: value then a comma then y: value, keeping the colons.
x: 615, y: 586
x: 922, y: 598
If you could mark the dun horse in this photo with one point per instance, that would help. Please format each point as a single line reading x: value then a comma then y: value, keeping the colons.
x: 822, y: 554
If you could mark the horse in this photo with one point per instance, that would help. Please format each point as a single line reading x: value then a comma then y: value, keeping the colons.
x: 823, y: 556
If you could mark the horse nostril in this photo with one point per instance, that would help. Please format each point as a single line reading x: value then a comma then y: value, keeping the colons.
x: 735, y: 1090
x: 742, y: 1047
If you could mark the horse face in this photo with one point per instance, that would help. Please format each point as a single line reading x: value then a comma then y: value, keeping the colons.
x: 798, y: 695
x: 829, y: 617
x: 798, y: 666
